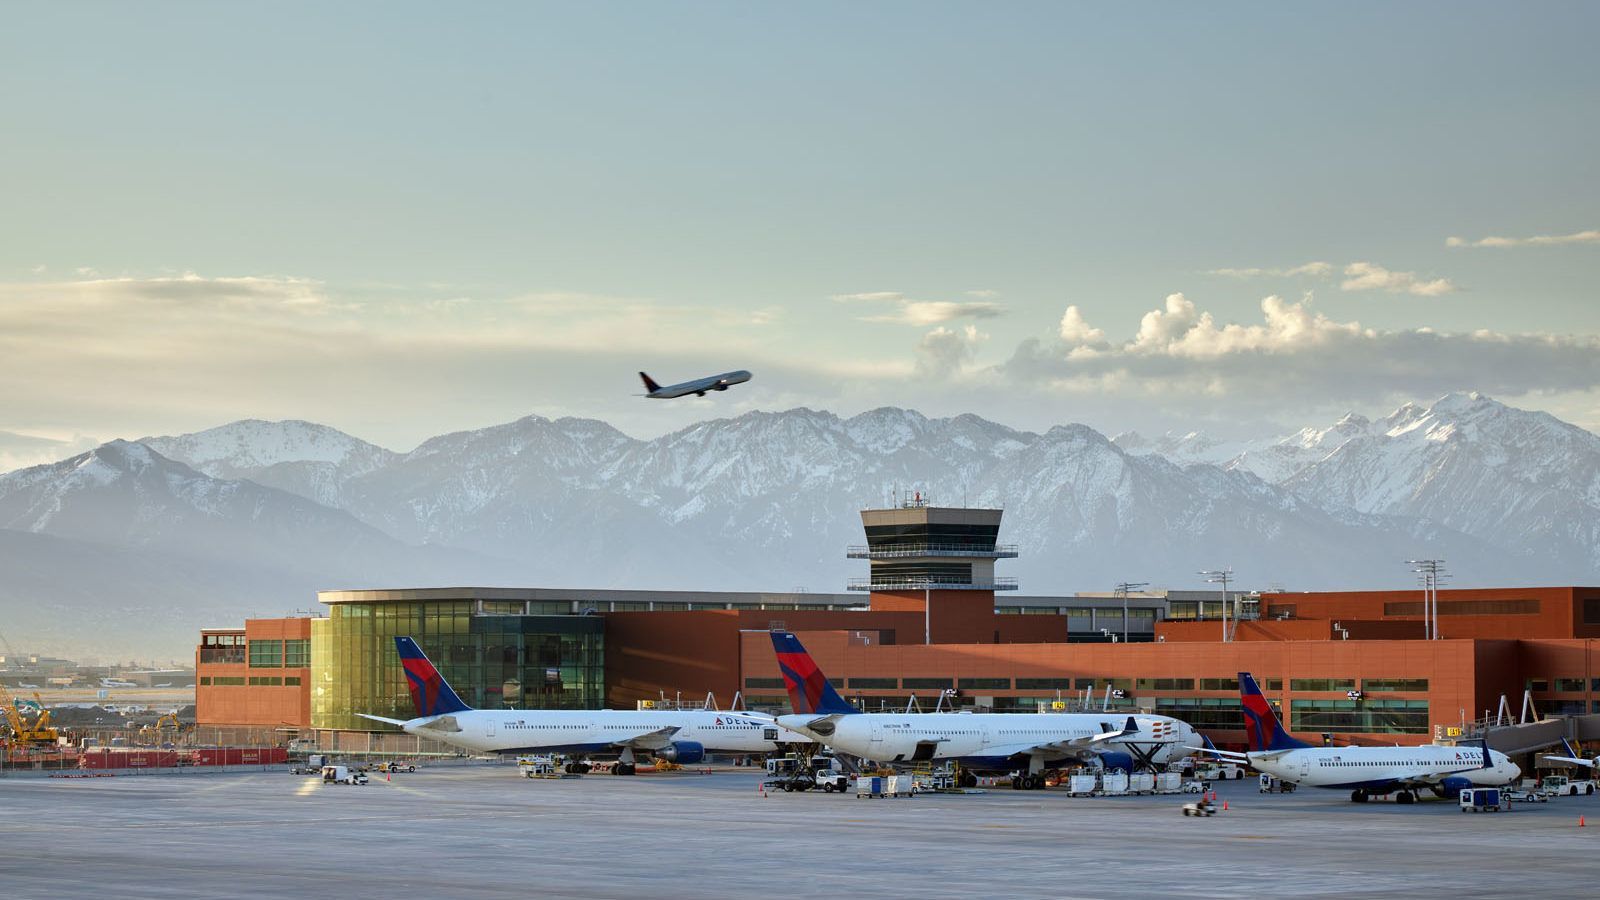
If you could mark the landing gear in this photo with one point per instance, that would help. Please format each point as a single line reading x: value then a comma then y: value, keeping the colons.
x: 968, y: 780
x: 1405, y: 797
x: 623, y: 769
x: 1358, y: 796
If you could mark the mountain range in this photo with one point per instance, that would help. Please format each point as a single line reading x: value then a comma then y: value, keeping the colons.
x: 148, y: 540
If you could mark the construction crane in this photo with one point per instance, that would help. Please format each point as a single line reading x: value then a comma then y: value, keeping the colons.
x: 23, y: 732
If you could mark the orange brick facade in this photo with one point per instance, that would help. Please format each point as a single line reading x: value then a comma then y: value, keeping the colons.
x: 224, y: 694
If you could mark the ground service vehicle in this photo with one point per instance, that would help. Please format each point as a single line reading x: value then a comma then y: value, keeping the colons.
x: 1271, y: 784
x: 342, y: 775
x: 1200, y: 808
x: 1562, y: 786
x: 1481, y: 799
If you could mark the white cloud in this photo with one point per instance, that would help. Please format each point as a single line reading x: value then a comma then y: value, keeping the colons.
x: 1295, y: 356
x: 1078, y: 332
x: 1365, y: 276
x: 944, y: 352
x: 922, y: 313
x: 1315, y: 269
x: 1591, y: 236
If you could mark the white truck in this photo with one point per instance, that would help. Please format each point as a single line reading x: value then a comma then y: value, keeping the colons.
x: 1562, y: 786
x: 342, y: 775
x: 1219, y: 771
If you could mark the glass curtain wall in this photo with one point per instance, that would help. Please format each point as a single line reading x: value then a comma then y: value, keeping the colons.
x: 492, y: 661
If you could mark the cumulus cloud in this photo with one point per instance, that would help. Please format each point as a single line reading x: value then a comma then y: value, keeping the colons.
x: 907, y: 311
x: 1078, y: 332
x: 1315, y: 269
x: 944, y: 352
x: 1365, y: 276
x: 1591, y: 236
x: 1295, y: 355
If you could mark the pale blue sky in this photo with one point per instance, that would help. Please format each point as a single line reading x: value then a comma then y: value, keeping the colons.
x: 438, y: 217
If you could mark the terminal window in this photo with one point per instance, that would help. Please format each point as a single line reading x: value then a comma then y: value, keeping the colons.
x: 763, y: 683
x: 1219, y: 684
x: 1387, y: 685
x: 297, y: 653
x: 874, y: 684
x: 923, y: 684
x: 1166, y: 684
x: 984, y: 684
x: 1591, y: 611
x: 266, y: 654
x: 1366, y: 717
x: 1314, y: 685
x: 1044, y: 684
x: 1571, y: 685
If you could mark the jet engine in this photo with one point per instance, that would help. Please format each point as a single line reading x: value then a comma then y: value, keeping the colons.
x: 685, y: 753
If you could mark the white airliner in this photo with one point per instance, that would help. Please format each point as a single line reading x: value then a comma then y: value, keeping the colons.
x: 994, y: 742
x: 117, y: 683
x: 681, y: 736
x: 1575, y: 759
x: 1364, y: 771
x: 698, y: 387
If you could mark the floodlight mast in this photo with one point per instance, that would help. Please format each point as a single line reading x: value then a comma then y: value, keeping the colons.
x: 1429, y: 573
x: 1123, y: 590
x: 1222, y: 577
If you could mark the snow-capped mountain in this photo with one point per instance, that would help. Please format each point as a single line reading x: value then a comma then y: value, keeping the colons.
x: 769, y: 501
x: 1521, y: 480
x: 300, y: 457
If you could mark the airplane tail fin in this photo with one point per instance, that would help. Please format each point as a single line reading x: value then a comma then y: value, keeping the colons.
x: 429, y: 691
x: 1262, y: 729
x: 809, y: 690
x: 649, y: 383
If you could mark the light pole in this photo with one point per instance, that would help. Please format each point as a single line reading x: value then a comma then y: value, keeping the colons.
x: 1122, y: 591
x: 1222, y: 577
x: 1430, y: 572
x: 927, y: 614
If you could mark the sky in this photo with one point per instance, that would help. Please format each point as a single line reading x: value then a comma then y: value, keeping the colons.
x: 407, y: 219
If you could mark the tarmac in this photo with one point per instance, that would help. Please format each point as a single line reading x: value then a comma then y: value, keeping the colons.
x: 484, y: 831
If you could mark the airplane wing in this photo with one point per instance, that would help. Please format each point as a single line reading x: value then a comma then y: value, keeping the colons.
x: 1571, y: 759
x: 653, y: 740
x: 399, y: 722
x: 1232, y: 755
x: 1131, y: 729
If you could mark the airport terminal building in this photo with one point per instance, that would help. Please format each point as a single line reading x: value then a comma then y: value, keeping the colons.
x: 930, y: 623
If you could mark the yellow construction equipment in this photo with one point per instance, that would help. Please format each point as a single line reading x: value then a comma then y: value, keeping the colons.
x: 24, y: 732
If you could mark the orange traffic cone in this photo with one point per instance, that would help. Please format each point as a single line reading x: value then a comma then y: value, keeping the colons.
x: 1580, y: 822
x: 1224, y: 806
x: 386, y: 777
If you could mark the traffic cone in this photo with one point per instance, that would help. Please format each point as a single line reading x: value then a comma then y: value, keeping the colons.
x: 386, y: 777
x: 1580, y: 822
x: 1224, y: 806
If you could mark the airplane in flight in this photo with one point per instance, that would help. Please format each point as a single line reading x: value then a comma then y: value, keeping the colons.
x: 698, y: 387
x: 680, y: 736
x: 1364, y: 771
x: 1028, y: 743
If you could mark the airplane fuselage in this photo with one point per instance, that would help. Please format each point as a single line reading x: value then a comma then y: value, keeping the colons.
x: 1377, y: 769
x: 699, y: 386
x: 996, y: 741
x: 599, y: 731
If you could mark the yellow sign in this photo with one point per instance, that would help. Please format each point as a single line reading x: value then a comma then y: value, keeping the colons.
x: 647, y: 704
x: 1453, y: 731
x: 1057, y: 704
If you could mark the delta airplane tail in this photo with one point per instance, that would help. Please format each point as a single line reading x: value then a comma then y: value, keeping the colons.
x: 1262, y: 729
x: 649, y: 383
x: 429, y: 691
x: 809, y: 690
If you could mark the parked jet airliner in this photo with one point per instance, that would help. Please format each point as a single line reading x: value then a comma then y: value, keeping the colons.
x: 698, y: 387
x: 682, y: 736
x: 993, y: 742
x: 1575, y: 759
x: 1364, y: 771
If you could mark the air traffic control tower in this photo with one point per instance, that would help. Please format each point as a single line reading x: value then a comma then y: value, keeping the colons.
x: 935, y: 560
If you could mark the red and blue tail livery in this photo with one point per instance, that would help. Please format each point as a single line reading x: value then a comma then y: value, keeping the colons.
x: 429, y: 691
x: 809, y: 690
x: 1262, y: 729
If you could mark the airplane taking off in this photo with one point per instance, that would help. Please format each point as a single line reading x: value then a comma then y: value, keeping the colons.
x: 698, y: 387
x: 1364, y: 771
x: 681, y: 736
x: 993, y: 742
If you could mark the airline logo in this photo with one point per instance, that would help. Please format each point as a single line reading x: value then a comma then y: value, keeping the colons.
x: 803, y: 680
x: 428, y: 688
